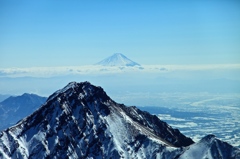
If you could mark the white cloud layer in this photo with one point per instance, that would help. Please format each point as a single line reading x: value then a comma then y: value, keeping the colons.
x: 96, y: 70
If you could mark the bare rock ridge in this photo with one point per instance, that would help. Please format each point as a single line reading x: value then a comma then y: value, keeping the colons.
x: 82, y: 121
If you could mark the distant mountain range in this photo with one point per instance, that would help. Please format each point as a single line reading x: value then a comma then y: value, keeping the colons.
x: 15, y: 108
x: 82, y: 121
x: 3, y: 97
x: 117, y: 59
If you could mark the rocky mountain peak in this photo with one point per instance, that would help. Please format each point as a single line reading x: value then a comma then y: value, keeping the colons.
x: 83, y: 90
x: 82, y: 121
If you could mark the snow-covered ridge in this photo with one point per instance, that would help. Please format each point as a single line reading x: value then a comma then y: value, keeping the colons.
x: 81, y: 121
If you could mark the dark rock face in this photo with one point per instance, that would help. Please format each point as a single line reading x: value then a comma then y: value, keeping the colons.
x: 81, y: 121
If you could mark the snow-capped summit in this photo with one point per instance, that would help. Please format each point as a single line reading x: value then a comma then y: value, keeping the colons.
x: 82, y: 121
x: 117, y: 59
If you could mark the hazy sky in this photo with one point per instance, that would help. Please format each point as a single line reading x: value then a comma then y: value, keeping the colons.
x: 71, y: 33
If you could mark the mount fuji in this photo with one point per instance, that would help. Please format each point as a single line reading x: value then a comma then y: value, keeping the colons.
x: 117, y: 59
x: 82, y: 121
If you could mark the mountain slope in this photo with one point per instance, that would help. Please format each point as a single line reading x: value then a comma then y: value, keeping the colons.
x: 15, y: 108
x: 81, y: 121
x: 117, y: 59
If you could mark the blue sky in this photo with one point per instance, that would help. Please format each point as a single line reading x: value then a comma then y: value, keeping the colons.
x: 71, y: 33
